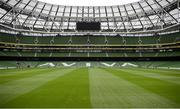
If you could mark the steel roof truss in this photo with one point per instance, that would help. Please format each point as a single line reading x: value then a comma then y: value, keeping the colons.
x: 154, y: 11
x: 54, y: 19
x: 137, y: 16
x: 145, y: 14
x: 69, y: 18
x: 166, y: 11
x: 47, y: 18
x: 107, y: 18
x: 30, y: 14
x: 121, y: 18
x: 38, y: 15
x: 62, y: 19
x: 10, y: 9
x: 128, y: 19
x: 115, y: 23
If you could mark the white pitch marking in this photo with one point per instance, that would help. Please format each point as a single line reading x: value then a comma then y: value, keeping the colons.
x: 47, y: 64
x: 109, y: 65
x: 129, y: 64
x: 7, y: 67
x: 68, y: 65
x: 88, y: 64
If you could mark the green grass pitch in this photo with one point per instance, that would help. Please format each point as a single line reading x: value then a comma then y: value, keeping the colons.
x: 89, y: 88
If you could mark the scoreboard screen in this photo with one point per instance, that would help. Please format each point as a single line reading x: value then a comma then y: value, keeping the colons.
x: 88, y: 26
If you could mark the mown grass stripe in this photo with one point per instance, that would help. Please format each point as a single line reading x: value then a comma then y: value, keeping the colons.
x: 13, y: 89
x: 111, y: 91
x: 70, y: 90
x: 161, y: 71
x: 11, y: 72
x: 20, y: 73
x: 165, y: 89
x: 171, y: 79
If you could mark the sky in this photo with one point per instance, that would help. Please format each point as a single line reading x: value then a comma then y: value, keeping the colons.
x: 89, y: 2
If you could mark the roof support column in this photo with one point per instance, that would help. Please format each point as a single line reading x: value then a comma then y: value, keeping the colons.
x: 77, y: 12
x: 47, y: 18
x: 115, y: 23
x: 69, y: 18
x: 93, y: 14
x: 13, y: 18
x: 128, y: 20
x: 83, y: 13
x: 62, y: 19
x: 88, y: 19
x: 137, y: 16
x: 54, y: 18
x: 122, y: 20
x: 162, y: 14
x: 107, y: 18
x: 178, y: 5
x: 99, y: 16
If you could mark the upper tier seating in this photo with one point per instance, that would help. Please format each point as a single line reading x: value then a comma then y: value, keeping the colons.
x: 73, y: 54
x: 111, y: 40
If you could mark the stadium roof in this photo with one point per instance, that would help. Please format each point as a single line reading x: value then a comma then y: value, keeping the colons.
x: 89, y: 2
x: 37, y: 16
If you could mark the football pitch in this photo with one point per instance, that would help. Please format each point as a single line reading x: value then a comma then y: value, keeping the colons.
x: 89, y: 88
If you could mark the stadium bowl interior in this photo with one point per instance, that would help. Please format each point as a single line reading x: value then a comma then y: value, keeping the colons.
x: 63, y: 56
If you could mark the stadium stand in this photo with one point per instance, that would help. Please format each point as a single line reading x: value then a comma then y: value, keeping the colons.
x: 111, y: 40
x: 134, y: 32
